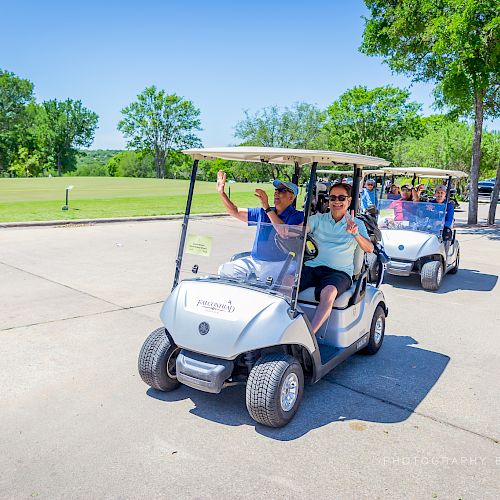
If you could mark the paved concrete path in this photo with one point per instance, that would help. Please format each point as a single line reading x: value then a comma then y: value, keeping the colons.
x: 419, y: 420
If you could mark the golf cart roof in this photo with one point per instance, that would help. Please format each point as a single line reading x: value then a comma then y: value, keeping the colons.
x: 432, y: 173
x: 285, y: 156
x: 350, y: 172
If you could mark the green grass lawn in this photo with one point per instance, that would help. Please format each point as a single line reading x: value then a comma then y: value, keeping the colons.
x: 37, y: 199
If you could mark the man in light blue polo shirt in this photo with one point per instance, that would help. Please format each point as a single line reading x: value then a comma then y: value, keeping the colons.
x: 337, y: 235
x: 266, y: 258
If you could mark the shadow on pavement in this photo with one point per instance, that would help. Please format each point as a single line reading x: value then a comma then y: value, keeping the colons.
x: 491, y: 232
x: 465, y: 279
x: 384, y: 388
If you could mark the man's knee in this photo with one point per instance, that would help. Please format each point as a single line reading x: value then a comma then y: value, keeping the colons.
x: 328, y: 294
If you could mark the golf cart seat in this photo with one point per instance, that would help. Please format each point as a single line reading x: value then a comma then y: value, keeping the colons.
x: 352, y: 295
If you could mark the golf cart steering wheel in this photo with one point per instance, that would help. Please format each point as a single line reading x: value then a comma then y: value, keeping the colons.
x: 289, y: 243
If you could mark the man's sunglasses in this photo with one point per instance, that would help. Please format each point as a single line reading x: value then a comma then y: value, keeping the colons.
x: 340, y: 197
x: 282, y: 190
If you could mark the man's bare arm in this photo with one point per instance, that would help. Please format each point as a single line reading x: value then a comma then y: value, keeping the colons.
x: 231, y: 208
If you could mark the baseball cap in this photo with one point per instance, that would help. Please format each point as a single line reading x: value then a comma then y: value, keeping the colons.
x: 370, y: 181
x: 289, y: 185
x: 440, y: 188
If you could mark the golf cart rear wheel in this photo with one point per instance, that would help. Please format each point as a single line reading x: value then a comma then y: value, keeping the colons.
x: 377, y: 332
x: 431, y: 275
x: 157, y: 361
x: 454, y: 269
x: 274, y: 389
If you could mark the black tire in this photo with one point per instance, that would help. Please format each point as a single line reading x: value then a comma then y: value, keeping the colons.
x: 377, y: 332
x: 454, y: 269
x: 372, y: 263
x: 264, y: 388
x: 157, y: 354
x: 431, y: 275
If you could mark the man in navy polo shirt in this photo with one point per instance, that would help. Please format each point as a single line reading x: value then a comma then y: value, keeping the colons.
x: 266, y: 259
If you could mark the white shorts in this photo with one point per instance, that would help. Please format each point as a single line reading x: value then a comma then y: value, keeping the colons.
x: 244, y: 267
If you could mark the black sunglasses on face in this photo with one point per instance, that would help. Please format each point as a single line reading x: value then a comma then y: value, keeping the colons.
x: 340, y: 197
x: 282, y: 190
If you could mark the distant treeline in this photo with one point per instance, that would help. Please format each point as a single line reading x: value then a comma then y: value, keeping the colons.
x: 49, y: 138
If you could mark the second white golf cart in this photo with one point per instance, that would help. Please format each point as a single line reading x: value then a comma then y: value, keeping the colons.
x: 221, y: 329
x: 414, y: 234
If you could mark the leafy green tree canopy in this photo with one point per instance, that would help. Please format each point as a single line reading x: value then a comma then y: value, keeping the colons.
x: 370, y: 122
x: 62, y: 127
x: 298, y: 126
x: 158, y: 122
x: 15, y: 96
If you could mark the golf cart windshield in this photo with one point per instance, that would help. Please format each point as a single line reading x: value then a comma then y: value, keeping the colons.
x: 256, y: 255
x: 412, y: 216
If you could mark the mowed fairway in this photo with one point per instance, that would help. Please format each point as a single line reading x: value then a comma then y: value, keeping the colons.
x: 37, y: 199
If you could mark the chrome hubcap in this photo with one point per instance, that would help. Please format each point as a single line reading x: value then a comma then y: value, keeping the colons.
x: 379, y: 330
x: 171, y: 363
x: 289, y: 392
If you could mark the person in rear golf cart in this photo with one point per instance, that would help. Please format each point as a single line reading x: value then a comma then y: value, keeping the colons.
x: 265, y: 259
x: 337, y: 235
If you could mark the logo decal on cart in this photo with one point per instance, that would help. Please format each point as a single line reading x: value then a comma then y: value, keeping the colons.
x: 203, y: 328
x: 217, y: 307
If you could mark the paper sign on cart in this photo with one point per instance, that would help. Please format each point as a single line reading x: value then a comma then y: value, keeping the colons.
x: 198, y: 245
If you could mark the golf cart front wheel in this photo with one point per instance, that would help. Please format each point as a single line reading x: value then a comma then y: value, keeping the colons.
x: 377, y: 332
x: 156, y: 362
x: 274, y: 389
x: 431, y: 275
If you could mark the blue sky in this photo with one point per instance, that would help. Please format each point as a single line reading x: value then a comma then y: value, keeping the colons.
x: 225, y: 56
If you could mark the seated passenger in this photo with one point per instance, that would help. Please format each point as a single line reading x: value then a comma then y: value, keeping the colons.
x: 440, y: 193
x: 399, y: 206
x: 368, y: 195
x: 266, y: 258
x: 337, y: 236
x: 394, y: 192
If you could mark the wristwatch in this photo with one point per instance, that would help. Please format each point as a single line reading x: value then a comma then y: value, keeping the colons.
x: 269, y: 209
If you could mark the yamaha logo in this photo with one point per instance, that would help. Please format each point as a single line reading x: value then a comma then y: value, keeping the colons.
x: 203, y: 328
x: 401, y: 247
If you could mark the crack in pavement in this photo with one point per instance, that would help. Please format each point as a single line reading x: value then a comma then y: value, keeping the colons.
x: 411, y: 410
x: 98, y: 313
x: 61, y: 284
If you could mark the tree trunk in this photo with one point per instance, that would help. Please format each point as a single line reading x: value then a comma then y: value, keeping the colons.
x: 59, y: 169
x: 494, y: 199
x: 476, y: 155
x: 160, y: 165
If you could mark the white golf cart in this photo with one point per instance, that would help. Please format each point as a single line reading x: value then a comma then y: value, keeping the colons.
x: 413, y: 233
x: 221, y: 329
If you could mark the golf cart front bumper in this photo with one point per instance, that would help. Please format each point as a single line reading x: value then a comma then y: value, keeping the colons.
x: 399, y: 268
x: 201, y: 372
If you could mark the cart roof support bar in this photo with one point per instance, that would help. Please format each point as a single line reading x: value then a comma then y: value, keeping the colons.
x: 178, y: 261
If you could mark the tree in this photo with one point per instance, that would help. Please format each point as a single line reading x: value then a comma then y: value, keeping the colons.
x: 62, y: 127
x: 296, y: 127
x: 452, y: 43
x: 15, y: 96
x: 445, y: 144
x: 158, y: 123
x: 371, y: 122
